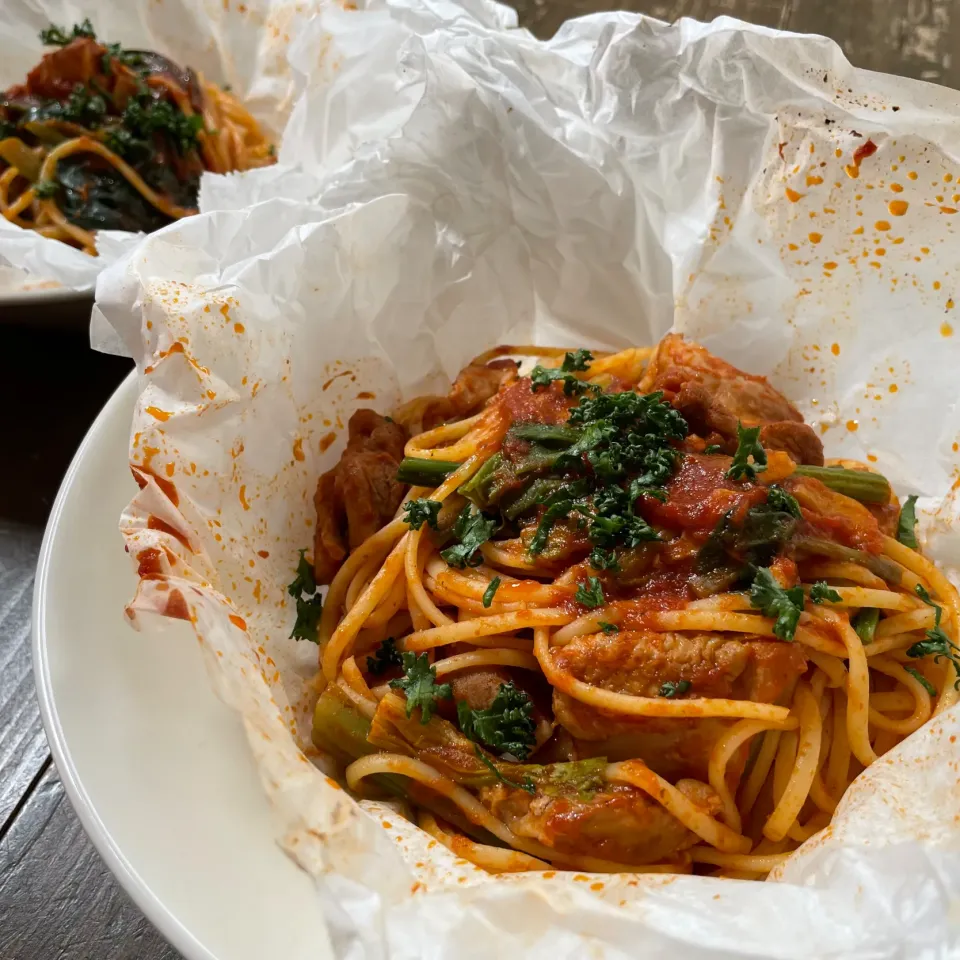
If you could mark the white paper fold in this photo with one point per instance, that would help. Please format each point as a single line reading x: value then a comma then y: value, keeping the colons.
x: 448, y: 183
x: 243, y: 45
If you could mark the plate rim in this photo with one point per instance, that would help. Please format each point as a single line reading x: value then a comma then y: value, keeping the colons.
x: 129, y: 879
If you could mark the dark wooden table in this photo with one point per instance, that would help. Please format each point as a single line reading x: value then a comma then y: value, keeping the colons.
x: 57, y: 899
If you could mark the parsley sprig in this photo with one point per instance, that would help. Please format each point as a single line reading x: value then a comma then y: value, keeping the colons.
x: 591, y: 594
x: 671, y: 689
x: 936, y: 643
x: 577, y: 361
x: 472, y: 530
x: 783, y: 605
x: 419, y: 683
x: 907, y: 524
x: 418, y: 512
x: 506, y: 725
x: 303, y: 588
x: 54, y: 36
x: 386, y: 656
x: 750, y: 458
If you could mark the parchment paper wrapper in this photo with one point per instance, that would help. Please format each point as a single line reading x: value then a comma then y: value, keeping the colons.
x: 454, y: 183
x: 240, y: 44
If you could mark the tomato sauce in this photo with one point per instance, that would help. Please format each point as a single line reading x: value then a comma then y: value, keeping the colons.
x: 700, y: 494
x: 547, y: 405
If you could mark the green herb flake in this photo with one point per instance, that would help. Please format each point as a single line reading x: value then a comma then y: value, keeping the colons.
x: 525, y: 784
x: 419, y: 683
x: 936, y: 643
x: 303, y: 588
x: 822, y: 592
x: 491, y: 591
x: 608, y: 627
x: 671, y: 689
x: 907, y: 524
x: 590, y: 595
x: 418, y: 512
x: 45, y: 189
x: 472, y: 530
x: 748, y: 446
x: 506, y: 725
x: 54, y: 36
x: 778, y: 499
x: 387, y: 655
x: 784, y: 606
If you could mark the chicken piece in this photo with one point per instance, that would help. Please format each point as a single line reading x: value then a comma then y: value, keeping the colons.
x: 55, y: 76
x: 835, y: 517
x: 639, y: 662
x: 475, y: 385
x: 360, y: 494
x: 714, y: 396
x: 618, y: 822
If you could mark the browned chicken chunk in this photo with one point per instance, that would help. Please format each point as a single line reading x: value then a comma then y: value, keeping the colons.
x: 618, y: 822
x: 360, y: 494
x: 639, y: 662
x: 475, y: 385
x: 714, y: 396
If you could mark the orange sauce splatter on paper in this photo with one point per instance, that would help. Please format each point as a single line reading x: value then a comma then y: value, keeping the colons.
x: 882, y: 225
x: 896, y: 188
x: 238, y: 621
x: 326, y: 441
x: 155, y: 523
x: 893, y: 388
x: 243, y: 497
x: 936, y: 284
x: 946, y: 330
x: 158, y: 414
x: 853, y: 425
x: 298, y: 449
x: 948, y: 209
x: 835, y: 349
x: 815, y: 237
x: 813, y: 180
x: 830, y: 265
x: 238, y: 328
x: 792, y: 194
x: 897, y: 208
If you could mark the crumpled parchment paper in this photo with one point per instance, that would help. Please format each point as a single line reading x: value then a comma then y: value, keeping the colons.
x: 240, y: 44
x: 447, y: 183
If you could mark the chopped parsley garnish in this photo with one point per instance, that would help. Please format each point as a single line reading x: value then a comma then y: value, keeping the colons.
x: 491, y: 591
x: 671, y: 689
x: 748, y: 446
x: 419, y: 683
x: 506, y: 725
x: 590, y: 595
x: 822, y: 592
x: 145, y: 115
x: 418, y: 512
x: 608, y: 627
x: 907, y: 525
x: 784, y: 606
x: 924, y: 682
x: 303, y: 589
x: 936, y: 643
x: 386, y: 656
x: 713, y: 448
x: 576, y: 361
x: 129, y: 58
x: 472, y: 530
x: 55, y: 36
x: 82, y: 107
x: 779, y: 499
x: 865, y: 624
x: 601, y: 559
x: 526, y: 784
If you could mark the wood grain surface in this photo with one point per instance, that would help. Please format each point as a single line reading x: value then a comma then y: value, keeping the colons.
x: 57, y: 899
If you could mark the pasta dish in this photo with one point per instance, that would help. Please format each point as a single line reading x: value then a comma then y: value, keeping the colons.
x: 616, y: 614
x: 104, y: 138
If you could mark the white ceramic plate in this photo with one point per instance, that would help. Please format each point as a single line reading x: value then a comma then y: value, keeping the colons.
x: 157, y: 768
